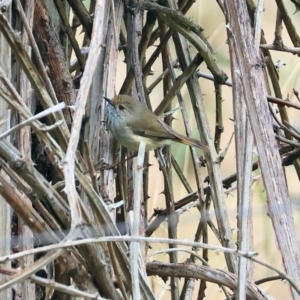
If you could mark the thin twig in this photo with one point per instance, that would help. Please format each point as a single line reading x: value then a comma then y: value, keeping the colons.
x: 40, y: 115
x: 120, y: 238
x: 135, y: 248
x: 293, y: 50
x: 70, y: 290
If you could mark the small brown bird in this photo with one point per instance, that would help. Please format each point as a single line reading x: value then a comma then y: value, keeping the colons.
x: 131, y: 122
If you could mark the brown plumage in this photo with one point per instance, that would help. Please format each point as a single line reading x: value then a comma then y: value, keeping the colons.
x: 131, y: 122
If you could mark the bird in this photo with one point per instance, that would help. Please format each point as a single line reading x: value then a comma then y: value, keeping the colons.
x: 131, y: 122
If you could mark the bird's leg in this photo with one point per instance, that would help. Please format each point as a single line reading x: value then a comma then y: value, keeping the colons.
x: 160, y: 157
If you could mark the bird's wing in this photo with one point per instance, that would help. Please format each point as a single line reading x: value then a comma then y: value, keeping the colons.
x: 157, y: 130
x: 160, y: 131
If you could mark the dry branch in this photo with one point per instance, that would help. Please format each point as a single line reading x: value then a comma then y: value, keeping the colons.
x: 50, y: 175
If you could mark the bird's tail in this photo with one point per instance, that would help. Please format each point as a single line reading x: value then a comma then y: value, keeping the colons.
x: 193, y: 143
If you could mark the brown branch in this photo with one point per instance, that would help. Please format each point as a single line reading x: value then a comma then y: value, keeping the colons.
x: 189, y: 270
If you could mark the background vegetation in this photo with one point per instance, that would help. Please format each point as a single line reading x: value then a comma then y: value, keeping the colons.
x: 65, y: 183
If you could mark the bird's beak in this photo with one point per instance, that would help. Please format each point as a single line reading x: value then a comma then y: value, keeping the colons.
x: 109, y: 101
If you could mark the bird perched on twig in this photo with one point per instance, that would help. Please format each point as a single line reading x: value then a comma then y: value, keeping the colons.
x: 131, y: 122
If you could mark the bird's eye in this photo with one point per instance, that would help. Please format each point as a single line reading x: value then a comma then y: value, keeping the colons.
x: 121, y: 107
